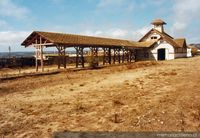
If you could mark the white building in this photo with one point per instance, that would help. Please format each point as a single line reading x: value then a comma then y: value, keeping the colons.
x: 165, y: 47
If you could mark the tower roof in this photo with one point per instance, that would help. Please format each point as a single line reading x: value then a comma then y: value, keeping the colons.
x: 158, y: 22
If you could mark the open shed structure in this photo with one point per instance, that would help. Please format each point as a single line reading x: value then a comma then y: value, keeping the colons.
x: 114, y: 50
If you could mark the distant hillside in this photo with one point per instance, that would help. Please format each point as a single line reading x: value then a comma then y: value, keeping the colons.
x: 195, y: 45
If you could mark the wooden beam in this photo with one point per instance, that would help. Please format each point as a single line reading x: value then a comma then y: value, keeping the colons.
x: 58, y: 59
x: 64, y: 56
x: 109, y: 56
x: 36, y: 57
x: 79, y: 56
x: 41, y: 54
x: 44, y: 44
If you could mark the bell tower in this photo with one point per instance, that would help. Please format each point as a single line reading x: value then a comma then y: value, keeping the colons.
x: 158, y: 24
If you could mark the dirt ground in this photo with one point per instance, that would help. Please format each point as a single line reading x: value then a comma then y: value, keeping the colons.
x: 143, y: 96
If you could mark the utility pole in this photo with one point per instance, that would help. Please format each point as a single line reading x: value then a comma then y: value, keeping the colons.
x: 9, y: 50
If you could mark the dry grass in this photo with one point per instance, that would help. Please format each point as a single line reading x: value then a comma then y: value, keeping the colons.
x: 144, y: 96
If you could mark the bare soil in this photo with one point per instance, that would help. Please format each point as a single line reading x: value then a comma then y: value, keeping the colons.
x: 142, y: 96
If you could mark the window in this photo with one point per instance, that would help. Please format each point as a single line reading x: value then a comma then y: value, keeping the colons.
x: 154, y: 37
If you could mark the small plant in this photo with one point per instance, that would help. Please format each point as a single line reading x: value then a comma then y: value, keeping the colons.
x: 78, y: 104
x: 93, y: 62
x: 117, y: 102
x: 130, y: 66
x: 182, y: 121
x: 19, y: 70
x: 116, y: 118
x: 82, y: 84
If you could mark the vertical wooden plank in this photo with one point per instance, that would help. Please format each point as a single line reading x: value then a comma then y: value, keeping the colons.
x: 36, y: 56
x: 82, y: 58
x: 64, y: 56
x: 114, y: 56
x: 119, y: 56
x: 123, y: 55
x: 77, y: 56
x: 104, y: 55
x: 41, y: 54
x: 110, y: 56
x: 58, y: 56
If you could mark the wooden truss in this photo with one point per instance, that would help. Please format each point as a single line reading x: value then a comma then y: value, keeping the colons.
x: 79, y: 56
x: 61, y: 57
x: 110, y: 54
x: 107, y: 56
x: 94, y: 55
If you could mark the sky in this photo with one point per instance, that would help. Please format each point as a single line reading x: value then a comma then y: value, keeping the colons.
x: 123, y: 19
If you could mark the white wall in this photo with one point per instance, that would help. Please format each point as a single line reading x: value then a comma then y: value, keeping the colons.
x: 189, y: 52
x: 160, y: 28
x: 180, y: 55
x: 169, y: 50
x: 155, y: 35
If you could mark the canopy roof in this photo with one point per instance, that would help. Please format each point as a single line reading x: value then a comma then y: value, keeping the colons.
x: 71, y: 40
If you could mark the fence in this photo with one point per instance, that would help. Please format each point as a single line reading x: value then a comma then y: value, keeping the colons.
x: 16, y: 62
x: 21, y: 62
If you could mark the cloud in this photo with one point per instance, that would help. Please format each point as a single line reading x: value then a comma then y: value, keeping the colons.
x: 112, y: 33
x: 116, y: 5
x: 3, y: 23
x: 12, y: 38
x: 119, y: 33
x: 8, y: 8
x: 107, y: 3
x: 57, y: 1
x: 186, y: 12
x: 139, y: 33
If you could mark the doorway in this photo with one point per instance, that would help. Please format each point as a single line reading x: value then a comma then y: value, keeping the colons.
x: 161, y: 54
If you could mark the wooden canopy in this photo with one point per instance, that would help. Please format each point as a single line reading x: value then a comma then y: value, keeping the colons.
x: 50, y: 39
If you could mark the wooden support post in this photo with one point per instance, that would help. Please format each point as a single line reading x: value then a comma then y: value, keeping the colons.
x: 82, y: 59
x: 119, y: 56
x: 109, y: 55
x: 61, y: 56
x: 79, y: 57
x: 64, y: 56
x: 104, y: 55
x: 128, y: 55
x: 36, y: 56
x: 132, y: 55
x: 58, y: 58
x: 114, y: 56
x: 123, y: 50
x: 41, y: 55
x: 135, y: 55
x: 94, y: 56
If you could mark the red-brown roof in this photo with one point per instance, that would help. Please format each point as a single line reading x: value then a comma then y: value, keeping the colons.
x: 158, y: 22
x: 181, y: 42
x: 70, y: 40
